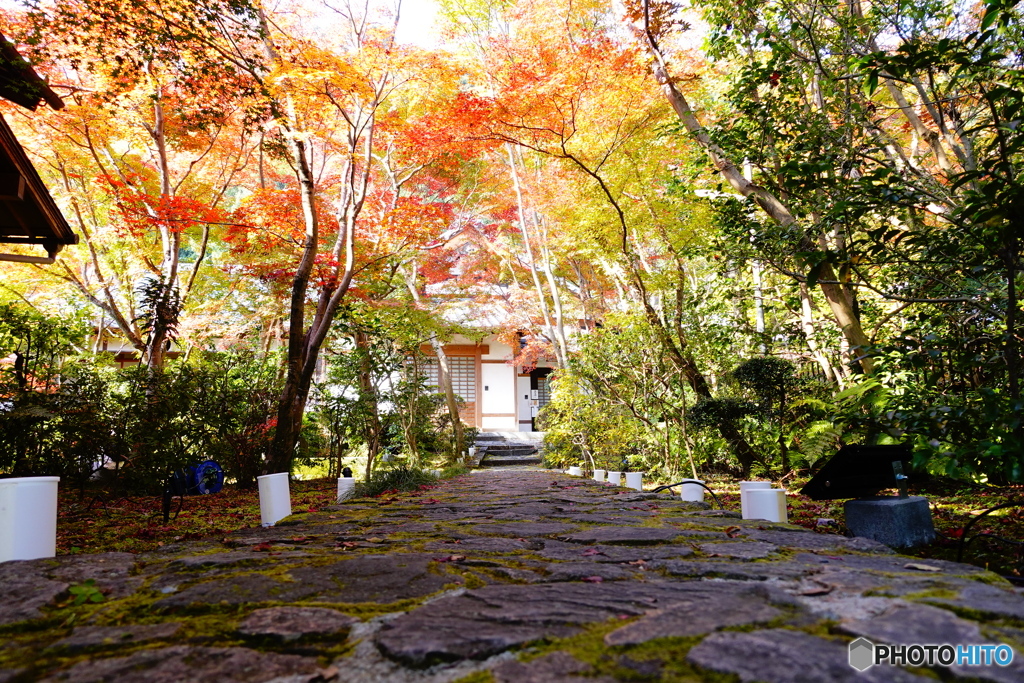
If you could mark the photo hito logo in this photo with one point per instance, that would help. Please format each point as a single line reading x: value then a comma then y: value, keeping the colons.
x: 864, y: 654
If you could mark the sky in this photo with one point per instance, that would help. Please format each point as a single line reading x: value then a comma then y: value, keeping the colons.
x: 416, y: 23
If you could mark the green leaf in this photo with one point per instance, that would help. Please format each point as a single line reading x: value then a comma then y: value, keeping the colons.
x: 814, y: 273
x: 872, y: 83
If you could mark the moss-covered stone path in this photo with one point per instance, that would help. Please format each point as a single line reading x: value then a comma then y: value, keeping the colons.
x: 513, y: 576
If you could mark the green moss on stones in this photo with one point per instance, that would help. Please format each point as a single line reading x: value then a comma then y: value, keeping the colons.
x: 477, y: 677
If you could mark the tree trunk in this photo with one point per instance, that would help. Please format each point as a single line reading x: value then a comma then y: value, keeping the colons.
x: 367, y: 390
x: 807, y: 325
x: 522, y: 212
x: 292, y: 402
x: 841, y: 307
x: 444, y: 376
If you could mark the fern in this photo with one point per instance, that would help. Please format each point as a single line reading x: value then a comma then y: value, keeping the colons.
x: 817, y: 439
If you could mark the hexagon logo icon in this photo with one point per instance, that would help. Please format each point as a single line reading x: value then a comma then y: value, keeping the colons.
x: 862, y: 654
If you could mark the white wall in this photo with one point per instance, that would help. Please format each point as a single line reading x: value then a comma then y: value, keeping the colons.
x: 496, y: 350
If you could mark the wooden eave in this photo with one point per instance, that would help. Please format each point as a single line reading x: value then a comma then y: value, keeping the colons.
x: 19, y: 82
x: 28, y: 214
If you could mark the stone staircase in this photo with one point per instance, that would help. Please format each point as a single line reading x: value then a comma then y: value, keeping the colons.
x: 509, y: 449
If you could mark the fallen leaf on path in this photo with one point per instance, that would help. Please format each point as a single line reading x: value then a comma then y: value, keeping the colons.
x: 592, y: 579
x: 451, y: 558
x: 327, y: 674
x: 732, y: 531
x: 922, y: 567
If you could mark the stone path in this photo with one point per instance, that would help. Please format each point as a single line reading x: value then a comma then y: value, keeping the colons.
x: 505, y: 576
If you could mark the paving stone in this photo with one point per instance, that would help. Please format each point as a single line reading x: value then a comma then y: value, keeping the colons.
x: 809, y: 540
x: 363, y: 578
x: 26, y: 589
x: 574, y: 552
x: 237, y: 590
x: 992, y: 600
x: 193, y: 664
x: 292, y: 623
x: 714, y: 522
x: 552, y: 668
x: 730, y: 569
x: 701, y: 611
x: 111, y: 572
x: 893, y: 565
x: 728, y: 514
x: 648, y: 669
x: 522, y: 529
x: 374, y: 578
x: 487, y: 545
x: 782, y: 656
x: 489, y: 620
x: 628, y: 535
x: 741, y: 550
x: 97, y: 636
x: 589, y: 571
x: 908, y: 623
x: 232, y: 558
x: 403, y: 528
x: 525, y: 510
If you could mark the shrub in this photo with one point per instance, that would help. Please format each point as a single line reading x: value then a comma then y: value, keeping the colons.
x: 398, y: 478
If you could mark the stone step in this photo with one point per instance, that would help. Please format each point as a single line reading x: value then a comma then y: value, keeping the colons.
x: 510, y: 447
x: 502, y: 461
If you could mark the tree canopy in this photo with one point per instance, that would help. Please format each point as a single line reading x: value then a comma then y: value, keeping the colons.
x: 743, y: 232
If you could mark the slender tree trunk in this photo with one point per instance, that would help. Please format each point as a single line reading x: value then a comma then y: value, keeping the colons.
x: 372, y: 428
x: 156, y: 346
x: 292, y: 401
x: 444, y: 376
x: 522, y: 212
x: 556, y: 298
x: 685, y: 438
x: 807, y: 326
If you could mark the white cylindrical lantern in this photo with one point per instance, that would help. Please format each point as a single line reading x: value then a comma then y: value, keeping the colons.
x: 635, y: 480
x: 692, y: 492
x: 346, y: 488
x: 599, y: 475
x: 767, y: 504
x: 615, y: 478
x: 745, y: 487
x: 28, y: 518
x: 472, y: 451
x: 275, y: 498
x: 576, y: 471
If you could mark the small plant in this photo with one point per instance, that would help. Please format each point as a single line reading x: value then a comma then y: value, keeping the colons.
x: 455, y: 471
x: 84, y: 592
x: 399, y: 478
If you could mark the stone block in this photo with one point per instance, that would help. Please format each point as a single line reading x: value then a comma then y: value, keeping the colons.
x: 896, y: 522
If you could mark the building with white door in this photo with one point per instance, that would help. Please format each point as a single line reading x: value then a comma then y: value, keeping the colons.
x: 499, y: 396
